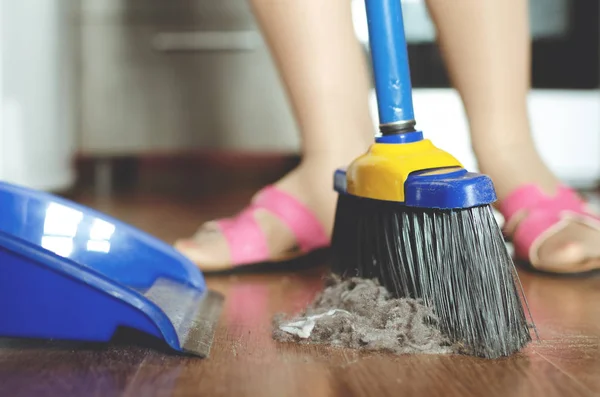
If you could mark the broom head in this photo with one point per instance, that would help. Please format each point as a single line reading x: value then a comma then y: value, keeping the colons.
x: 412, y: 217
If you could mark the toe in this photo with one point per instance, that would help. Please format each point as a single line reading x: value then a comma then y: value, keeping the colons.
x: 208, y: 252
x: 561, y: 256
x: 573, y: 249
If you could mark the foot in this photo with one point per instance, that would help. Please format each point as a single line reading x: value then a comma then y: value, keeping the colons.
x: 309, y: 185
x: 551, y: 227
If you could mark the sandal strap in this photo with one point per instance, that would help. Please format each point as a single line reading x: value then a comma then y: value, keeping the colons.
x: 530, y: 197
x: 245, y: 239
x: 248, y: 244
x: 543, y: 215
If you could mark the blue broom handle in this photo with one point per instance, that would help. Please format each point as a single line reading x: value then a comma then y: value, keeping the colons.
x: 390, y: 63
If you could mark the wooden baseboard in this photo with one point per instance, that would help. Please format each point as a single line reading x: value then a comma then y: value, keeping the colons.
x: 184, y: 172
x: 189, y: 172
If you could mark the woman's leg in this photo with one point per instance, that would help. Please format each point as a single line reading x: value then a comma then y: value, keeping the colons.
x: 486, y: 46
x: 325, y: 73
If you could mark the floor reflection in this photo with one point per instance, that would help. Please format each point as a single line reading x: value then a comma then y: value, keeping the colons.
x: 561, y: 306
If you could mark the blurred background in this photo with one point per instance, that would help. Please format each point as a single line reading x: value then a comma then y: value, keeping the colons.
x: 91, y: 89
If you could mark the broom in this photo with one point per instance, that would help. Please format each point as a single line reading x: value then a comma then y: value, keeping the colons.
x: 411, y: 216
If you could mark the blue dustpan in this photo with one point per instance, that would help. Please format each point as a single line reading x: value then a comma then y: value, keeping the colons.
x: 68, y: 272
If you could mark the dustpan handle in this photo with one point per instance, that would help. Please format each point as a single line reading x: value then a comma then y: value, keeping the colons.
x: 390, y: 65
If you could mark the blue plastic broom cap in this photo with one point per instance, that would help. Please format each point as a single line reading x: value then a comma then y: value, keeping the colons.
x: 340, y: 184
x: 440, y: 188
x: 448, y: 188
x: 69, y: 272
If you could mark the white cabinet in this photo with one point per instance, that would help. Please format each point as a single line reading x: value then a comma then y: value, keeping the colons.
x: 37, y: 111
x: 166, y: 76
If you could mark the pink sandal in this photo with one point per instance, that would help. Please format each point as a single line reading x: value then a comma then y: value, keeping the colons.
x: 532, y: 216
x: 246, y: 241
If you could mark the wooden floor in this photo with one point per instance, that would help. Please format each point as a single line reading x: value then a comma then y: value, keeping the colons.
x: 245, y: 361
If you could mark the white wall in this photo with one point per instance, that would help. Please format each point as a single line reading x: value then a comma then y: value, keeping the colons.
x: 570, y: 144
x: 36, y: 125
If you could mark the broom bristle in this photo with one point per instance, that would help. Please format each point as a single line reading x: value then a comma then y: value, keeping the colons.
x: 455, y: 261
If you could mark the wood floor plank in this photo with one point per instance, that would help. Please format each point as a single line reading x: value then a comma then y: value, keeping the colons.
x: 246, y: 361
x: 578, y: 358
x: 568, y: 314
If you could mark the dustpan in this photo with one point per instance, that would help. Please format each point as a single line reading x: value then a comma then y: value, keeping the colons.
x: 68, y: 272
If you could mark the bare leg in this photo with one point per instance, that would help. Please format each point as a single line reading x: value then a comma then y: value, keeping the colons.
x: 325, y: 74
x: 486, y: 46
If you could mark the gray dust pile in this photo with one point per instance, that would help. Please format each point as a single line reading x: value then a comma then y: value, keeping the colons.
x: 361, y: 314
